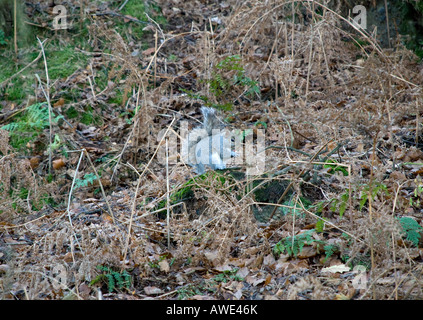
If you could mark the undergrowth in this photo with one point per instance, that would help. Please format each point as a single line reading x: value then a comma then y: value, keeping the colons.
x: 353, y: 172
x: 29, y: 126
x: 228, y: 83
x: 293, y: 245
x: 411, y: 230
x: 114, y: 280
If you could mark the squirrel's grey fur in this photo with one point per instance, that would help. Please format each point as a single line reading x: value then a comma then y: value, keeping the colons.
x: 207, y: 145
x: 210, y: 120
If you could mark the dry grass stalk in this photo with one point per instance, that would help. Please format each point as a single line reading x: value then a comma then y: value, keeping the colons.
x: 320, y: 93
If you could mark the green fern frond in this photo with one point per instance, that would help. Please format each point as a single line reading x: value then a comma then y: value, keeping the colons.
x: 113, y: 279
x: 411, y: 230
x: 293, y: 245
x: 11, y: 127
x: 38, y: 115
x: 89, y: 178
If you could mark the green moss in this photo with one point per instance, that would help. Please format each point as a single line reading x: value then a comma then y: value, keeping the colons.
x: 87, y: 117
x: 138, y: 10
x: 71, y: 113
x: 15, y: 92
x: 62, y: 62
x: 28, y: 126
x: 17, y: 89
x: 117, y: 98
x: 24, y: 31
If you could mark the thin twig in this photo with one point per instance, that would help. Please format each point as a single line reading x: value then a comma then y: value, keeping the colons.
x: 119, y: 157
x: 115, y: 14
x: 47, y: 96
x: 417, y: 122
x: 156, y: 24
x: 69, y: 202
x: 156, y: 38
x: 167, y: 194
x: 387, y: 23
x: 101, y: 186
x: 15, y: 27
x: 309, y: 63
x: 293, y: 222
x: 123, y: 4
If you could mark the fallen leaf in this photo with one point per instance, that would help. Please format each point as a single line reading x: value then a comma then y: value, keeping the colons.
x: 223, y: 267
x: 194, y: 269
x: 148, y: 51
x: 59, y: 103
x: 397, y: 176
x: 34, y: 162
x: 243, y: 272
x: 199, y: 297
x: 238, y: 294
x: 307, y: 252
x: 58, y: 163
x: 256, y: 263
x: 302, y: 264
x: 258, y: 281
x: 107, y: 217
x: 269, y: 260
x: 268, y: 279
x: 68, y: 257
x: 152, y: 290
x: 213, y: 257
x: 84, y: 290
x: 337, y: 268
x: 164, y: 266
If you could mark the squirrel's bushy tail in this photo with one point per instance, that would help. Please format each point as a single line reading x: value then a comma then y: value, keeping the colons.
x: 210, y: 119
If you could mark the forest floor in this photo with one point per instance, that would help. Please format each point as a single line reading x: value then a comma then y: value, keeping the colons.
x: 92, y: 206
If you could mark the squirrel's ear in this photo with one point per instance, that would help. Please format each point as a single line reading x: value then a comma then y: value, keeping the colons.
x: 207, y: 110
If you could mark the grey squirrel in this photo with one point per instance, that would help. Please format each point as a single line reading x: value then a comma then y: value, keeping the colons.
x: 207, y: 145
